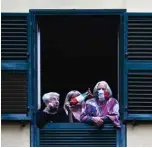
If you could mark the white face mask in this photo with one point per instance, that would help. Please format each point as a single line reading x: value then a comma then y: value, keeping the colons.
x: 101, y: 95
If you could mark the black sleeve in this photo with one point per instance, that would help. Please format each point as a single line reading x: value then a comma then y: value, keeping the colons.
x: 41, y: 119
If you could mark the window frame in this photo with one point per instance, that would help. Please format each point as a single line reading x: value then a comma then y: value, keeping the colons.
x: 121, y: 140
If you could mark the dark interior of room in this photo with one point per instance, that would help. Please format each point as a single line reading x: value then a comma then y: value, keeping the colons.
x: 77, y: 52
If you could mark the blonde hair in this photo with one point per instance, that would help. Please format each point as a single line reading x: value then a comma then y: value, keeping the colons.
x: 68, y: 96
x: 107, y: 88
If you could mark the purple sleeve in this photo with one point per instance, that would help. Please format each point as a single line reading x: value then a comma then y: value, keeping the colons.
x: 87, y: 114
x: 114, y: 114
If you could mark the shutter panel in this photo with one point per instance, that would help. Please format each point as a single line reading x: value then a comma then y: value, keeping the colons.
x: 15, y: 67
x: 139, y: 38
x: 138, y: 63
x: 14, y: 92
x: 77, y: 135
x: 140, y: 91
x: 14, y: 38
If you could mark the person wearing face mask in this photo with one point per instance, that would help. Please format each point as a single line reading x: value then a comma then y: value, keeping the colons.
x: 101, y: 107
x: 72, y: 107
x: 52, y: 112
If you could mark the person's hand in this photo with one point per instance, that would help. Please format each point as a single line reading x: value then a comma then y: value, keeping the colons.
x: 98, y: 121
x: 89, y: 93
x: 51, y: 106
x: 48, y: 107
x: 68, y: 106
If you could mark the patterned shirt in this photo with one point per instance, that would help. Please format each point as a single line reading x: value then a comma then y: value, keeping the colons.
x: 109, y: 109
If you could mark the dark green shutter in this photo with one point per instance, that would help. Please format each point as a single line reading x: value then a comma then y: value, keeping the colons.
x: 77, y: 135
x: 14, y: 92
x: 140, y: 91
x: 15, y: 66
x: 14, y: 37
x: 138, y: 62
x: 139, y: 38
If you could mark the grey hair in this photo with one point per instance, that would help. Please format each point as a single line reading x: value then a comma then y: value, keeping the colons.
x: 50, y: 95
x: 107, y: 87
x: 68, y: 96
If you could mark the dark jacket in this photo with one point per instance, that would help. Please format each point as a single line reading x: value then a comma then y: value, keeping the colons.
x: 43, y: 118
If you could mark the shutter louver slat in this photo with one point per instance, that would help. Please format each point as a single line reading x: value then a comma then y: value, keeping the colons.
x: 72, y: 137
x: 14, y: 39
x: 14, y: 92
x: 140, y: 38
x: 140, y: 92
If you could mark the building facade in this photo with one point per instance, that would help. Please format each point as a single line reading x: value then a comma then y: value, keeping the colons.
x: 18, y: 126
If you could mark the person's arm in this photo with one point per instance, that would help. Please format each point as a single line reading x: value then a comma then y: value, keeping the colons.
x: 85, y: 118
x: 114, y: 114
x: 86, y: 114
x: 97, y: 121
x: 114, y: 111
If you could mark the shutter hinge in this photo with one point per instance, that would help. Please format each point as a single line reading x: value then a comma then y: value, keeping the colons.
x: 33, y: 111
x: 27, y: 54
x: 27, y: 110
x: 31, y: 24
x: 30, y: 109
x: 126, y: 54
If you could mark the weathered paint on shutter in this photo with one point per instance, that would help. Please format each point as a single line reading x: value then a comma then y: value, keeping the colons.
x: 138, y: 71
